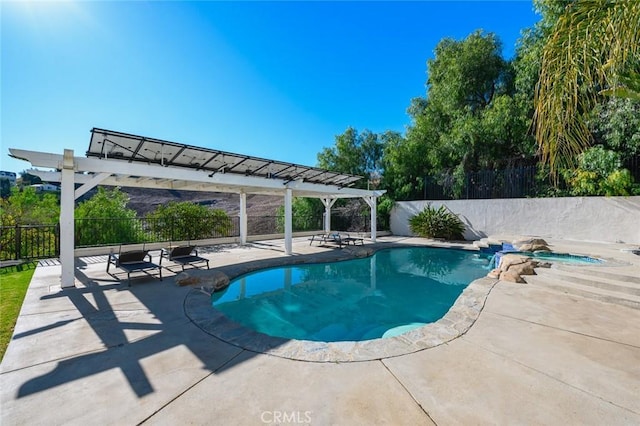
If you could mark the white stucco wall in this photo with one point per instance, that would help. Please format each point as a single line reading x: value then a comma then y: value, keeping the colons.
x: 606, y: 219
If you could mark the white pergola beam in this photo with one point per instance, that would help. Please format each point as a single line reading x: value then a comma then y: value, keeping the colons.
x: 49, y: 176
x: 90, y: 184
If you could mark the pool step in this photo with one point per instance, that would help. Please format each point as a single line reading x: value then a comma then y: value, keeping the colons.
x: 480, y: 244
x: 610, y: 282
x: 604, y: 272
x: 605, y: 286
x: 488, y: 245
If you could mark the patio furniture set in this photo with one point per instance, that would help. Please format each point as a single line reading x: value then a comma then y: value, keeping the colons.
x: 341, y: 239
x: 140, y: 260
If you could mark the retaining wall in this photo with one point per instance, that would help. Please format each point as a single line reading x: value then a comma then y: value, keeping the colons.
x: 604, y: 219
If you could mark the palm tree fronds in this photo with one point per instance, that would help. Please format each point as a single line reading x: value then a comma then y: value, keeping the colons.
x: 585, y: 55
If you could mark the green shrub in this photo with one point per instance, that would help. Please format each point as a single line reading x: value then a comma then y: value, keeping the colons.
x: 599, y: 160
x: 437, y: 223
x: 384, y: 206
x: 28, y: 207
x: 599, y: 173
x: 619, y: 182
x: 186, y: 220
x: 105, y: 219
x: 584, y: 183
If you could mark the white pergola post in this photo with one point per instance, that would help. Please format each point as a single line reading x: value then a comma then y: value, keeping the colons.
x: 288, y: 222
x: 243, y: 218
x: 67, y: 231
x: 372, y: 201
x: 328, y: 203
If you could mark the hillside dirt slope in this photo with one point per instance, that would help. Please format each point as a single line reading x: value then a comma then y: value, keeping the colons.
x: 144, y: 201
x: 348, y: 215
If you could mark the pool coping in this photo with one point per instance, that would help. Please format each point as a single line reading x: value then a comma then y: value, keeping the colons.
x: 456, y: 322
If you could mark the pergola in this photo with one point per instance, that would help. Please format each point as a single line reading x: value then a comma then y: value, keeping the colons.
x: 120, y: 159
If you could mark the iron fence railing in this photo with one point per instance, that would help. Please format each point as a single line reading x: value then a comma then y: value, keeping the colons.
x: 357, y: 222
x: 29, y: 242
x: 515, y: 182
x: 43, y: 241
x: 97, y: 232
x: 507, y: 183
x: 633, y: 165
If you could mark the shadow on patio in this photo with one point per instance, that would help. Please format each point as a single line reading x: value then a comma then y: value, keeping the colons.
x: 115, y: 327
x: 132, y: 324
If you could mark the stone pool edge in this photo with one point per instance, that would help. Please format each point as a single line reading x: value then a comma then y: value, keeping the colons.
x: 456, y: 322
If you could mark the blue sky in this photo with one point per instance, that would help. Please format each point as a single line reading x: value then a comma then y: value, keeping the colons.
x: 270, y: 79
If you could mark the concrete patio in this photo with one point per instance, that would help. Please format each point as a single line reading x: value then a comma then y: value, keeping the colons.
x: 563, y: 349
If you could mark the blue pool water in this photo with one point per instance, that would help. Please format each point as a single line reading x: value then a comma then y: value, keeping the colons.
x: 389, y: 293
x: 575, y: 259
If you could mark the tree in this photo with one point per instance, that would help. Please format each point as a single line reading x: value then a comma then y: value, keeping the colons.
x: 27, y: 179
x: 528, y: 58
x: 599, y: 172
x: 615, y: 124
x: 354, y: 153
x: 588, y: 49
x: 184, y: 221
x: 506, y: 125
x: 105, y: 219
x: 404, y: 164
x: 470, y: 118
x: 465, y: 75
x: 5, y: 188
x: 27, y: 207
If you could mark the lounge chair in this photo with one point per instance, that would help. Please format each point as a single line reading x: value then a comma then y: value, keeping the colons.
x: 133, y: 261
x: 184, y: 255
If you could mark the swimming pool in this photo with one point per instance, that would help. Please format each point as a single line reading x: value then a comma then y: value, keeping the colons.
x: 389, y: 293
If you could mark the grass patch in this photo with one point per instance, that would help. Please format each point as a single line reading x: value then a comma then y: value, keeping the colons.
x: 14, y: 281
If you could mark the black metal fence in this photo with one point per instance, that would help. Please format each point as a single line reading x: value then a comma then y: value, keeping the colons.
x: 515, y: 182
x: 264, y: 225
x: 508, y: 183
x: 29, y: 242
x: 43, y: 241
x: 98, y: 232
x: 633, y: 165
